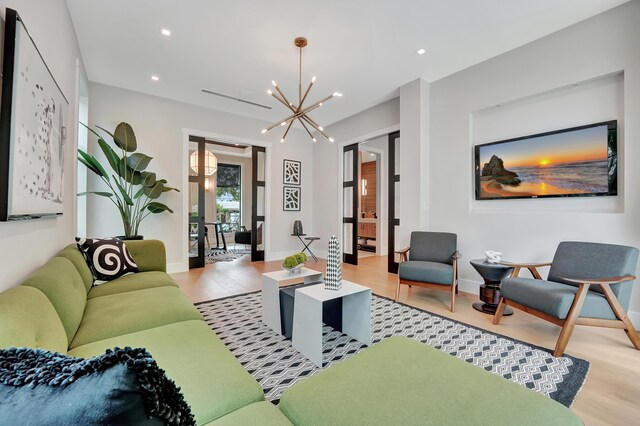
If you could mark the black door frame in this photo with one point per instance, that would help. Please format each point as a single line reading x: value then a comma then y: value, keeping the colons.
x: 393, y: 221
x: 257, y: 255
x: 198, y: 261
x: 353, y: 184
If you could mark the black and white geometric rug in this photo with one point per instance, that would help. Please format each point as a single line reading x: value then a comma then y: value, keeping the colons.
x: 212, y: 255
x: 276, y: 365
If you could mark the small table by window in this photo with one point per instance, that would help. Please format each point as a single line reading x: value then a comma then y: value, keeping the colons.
x: 217, y: 226
x: 493, y: 274
x: 306, y: 242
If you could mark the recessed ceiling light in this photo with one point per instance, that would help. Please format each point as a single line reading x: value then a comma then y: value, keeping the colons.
x: 166, y: 32
x: 155, y: 78
x: 421, y: 51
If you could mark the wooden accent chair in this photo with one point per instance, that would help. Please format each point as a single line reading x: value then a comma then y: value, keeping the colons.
x: 431, y: 261
x: 588, y: 284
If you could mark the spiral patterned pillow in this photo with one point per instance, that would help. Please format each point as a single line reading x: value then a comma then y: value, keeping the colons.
x: 107, y: 258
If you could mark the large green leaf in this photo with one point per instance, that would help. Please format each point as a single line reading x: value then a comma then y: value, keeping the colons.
x: 102, y: 194
x: 127, y: 173
x: 154, y: 191
x: 148, y: 178
x: 125, y: 138
x: 156, y: 207
x: 123, y: 192
x: 168, y: 188
x: 139, y: 193
x: 119, y: 143
x: 111, y: 155
x: 138, y: 161
x: 88, y: 165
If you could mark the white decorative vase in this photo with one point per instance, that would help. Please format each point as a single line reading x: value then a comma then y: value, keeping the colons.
x: 333, y: 277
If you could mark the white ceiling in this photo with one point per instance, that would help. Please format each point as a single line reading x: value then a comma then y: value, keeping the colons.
x: 363, y: 48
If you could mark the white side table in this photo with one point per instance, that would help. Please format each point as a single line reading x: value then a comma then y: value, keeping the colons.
x: 271, y: 283
x: 307, y: 316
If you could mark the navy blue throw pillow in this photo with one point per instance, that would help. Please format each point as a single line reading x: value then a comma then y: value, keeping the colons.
x: 123, y: 387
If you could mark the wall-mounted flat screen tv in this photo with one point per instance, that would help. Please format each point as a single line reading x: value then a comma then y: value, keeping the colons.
x: 576, y: 162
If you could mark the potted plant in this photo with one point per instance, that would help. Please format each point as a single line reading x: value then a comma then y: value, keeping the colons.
x: 133, y: 189
x: 294, y: 263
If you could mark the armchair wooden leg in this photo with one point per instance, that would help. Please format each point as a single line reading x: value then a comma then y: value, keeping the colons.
x: 453, y: 298
x: 632, y: 334
x: 570, y: 322
x: 499, y: 311
x: 398, y: 290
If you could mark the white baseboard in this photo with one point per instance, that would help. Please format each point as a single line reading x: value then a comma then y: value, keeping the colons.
x: 174, y: 268
x: 469, y: 286
x: 279, y: 255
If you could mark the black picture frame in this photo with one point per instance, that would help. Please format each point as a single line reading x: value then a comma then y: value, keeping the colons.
x: 48, y: 195
x: 291, y: 198
x: 612, y: 162
x: 291, y: 172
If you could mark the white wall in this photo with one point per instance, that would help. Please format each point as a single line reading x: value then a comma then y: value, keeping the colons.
x: 534, y: 85
x: 370, y: 123
x: 158, y: 124
x: 414, y: 160
x: 26, y: 245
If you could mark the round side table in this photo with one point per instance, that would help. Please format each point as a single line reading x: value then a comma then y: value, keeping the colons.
x: 492, y: 274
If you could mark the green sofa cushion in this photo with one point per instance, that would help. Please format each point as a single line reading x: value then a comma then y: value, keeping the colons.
x: 74, y: 255
x: 402, y: 381
x: 213, y: 382
x: 149, y: 255
x: 118, y: 314
x: 28, y: 319
x: 60, y: 281
x: 133, y: 282
x: 261, y: 413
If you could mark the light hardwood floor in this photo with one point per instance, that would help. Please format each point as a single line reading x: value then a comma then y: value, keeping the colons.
x: 611, y: 394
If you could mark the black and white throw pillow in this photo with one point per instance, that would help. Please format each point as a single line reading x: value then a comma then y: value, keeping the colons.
x: 107, y: 258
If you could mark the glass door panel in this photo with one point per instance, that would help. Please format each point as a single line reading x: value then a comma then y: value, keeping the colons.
x: 350, y: 204
x: 258, y: 198
x: 196, y: 231
x: 394, y: 201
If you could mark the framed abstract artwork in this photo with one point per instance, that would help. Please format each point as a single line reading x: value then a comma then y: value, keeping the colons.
x: 291, y: 198
x: 33, y: 129
x: 291, y: 172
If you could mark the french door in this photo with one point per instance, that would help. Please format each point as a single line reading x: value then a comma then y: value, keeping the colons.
x: 350, y: 204
x: 258, y: 185
x: 196, y: 229
x: 393, y: 213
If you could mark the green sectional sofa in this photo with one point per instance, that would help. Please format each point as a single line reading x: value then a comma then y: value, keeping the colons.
x: 398, y: 381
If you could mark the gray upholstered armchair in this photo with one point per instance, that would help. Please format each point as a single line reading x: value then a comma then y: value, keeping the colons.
x: 431, y: 261
x: 588, y: 284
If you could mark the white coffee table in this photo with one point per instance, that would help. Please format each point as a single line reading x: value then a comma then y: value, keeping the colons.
x: 271, y: 283
x: 307, y: 316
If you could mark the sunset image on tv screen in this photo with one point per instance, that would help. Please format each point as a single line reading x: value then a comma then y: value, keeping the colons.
x: 567, y: 163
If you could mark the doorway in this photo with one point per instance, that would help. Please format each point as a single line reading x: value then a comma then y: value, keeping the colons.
x: 366, y: 194
x: 226, y: 201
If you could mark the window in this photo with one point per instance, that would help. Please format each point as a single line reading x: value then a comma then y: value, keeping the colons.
x: 229, y: 196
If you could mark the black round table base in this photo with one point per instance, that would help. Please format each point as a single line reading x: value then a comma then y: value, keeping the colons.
x: 491, y: 309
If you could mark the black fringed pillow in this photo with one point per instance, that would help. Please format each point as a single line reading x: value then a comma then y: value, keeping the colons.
x: 123, y: 386
x: 107, y: 258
